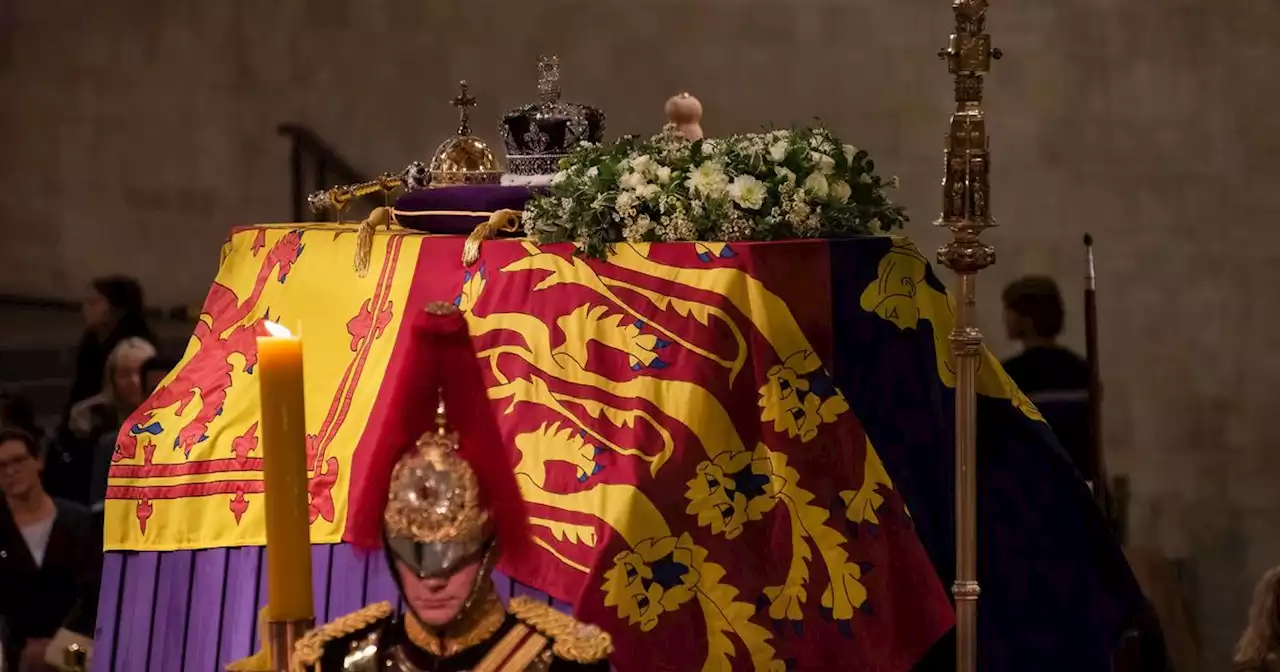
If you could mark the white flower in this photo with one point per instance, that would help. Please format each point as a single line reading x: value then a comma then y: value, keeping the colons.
x: 824, y: 163
x: 663, y: 174
x: 708, y: 179
x: 864, y: 178
x: 840, y: 191
x: 626, y: 200
x: 778, y: 151
x: 646, y: 191
x: 747, y: 192
x: 894, y: 182
x: 816, y: 185
x: 635, y: 231
x: 592, y: 172
x: 559, y: 177
x: 633, y: 181
x: 849, y: 152
x: 786, y: 175
x: 709, y: 146
x: 643, y: 164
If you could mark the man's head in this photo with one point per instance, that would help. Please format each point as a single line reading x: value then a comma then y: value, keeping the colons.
x: 20, y: 463
x: 1033, y: 309
x: 438, y: 600
x: 153, y: 371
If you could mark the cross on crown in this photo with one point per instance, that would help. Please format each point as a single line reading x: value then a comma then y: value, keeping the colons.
x: 549, y: 78
x: 463, y: 102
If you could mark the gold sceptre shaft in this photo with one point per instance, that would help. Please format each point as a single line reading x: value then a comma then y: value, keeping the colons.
x: 336, y: 199
x: 966, y: 212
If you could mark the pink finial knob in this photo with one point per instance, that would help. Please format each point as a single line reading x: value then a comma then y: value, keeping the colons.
x: 685, y: 112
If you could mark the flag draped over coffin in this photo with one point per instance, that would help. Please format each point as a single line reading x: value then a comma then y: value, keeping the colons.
x: 697, y: 476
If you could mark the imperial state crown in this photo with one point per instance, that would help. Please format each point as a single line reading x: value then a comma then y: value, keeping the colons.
x: 539, y: 134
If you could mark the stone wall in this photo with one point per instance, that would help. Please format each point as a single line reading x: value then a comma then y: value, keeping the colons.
x: 135, y: 133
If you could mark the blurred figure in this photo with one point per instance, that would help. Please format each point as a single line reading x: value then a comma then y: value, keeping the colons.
x: 1053, y: 377
x: 153, y: 371
x: 113, y: 312
x: 49, y: 558
x: 98, y: 419
x: 1259, y: 647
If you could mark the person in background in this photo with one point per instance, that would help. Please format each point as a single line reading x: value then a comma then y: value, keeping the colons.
x: 49, y: 559
x: 98, y: 419
x: 1053, y: 377
x: 1259, y: 647
x: 113, y: 312
x: 154, y: 370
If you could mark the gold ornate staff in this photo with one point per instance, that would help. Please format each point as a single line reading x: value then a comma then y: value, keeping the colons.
x: 966, y: 211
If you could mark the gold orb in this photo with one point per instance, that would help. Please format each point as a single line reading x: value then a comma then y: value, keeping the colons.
x: 464, y: 159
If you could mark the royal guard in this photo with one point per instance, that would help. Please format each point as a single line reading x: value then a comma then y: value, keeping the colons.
x: 438, y: 493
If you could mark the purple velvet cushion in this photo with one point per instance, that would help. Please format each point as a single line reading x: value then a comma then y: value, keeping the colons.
x: 457, y: 209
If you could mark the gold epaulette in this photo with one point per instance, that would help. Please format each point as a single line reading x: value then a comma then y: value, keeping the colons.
x: 310, y: 649
x: 572, y: 639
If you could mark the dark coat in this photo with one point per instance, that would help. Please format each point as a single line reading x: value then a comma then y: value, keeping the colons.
x: 35, y: 601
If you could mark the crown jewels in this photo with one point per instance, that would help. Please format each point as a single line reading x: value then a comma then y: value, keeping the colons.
x: 538, y: 135
x: 463, y: 158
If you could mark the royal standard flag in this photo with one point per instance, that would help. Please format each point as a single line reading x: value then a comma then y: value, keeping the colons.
x: 706, y: 479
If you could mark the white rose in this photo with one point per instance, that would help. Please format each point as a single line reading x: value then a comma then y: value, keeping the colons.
x: 642, y: 164
x: 625, y: 200
x: 648, y: 190
x: 778, y: 151
x: 559, y: 177
x: 786, y: 175
x: 663, y: 174
x: 747, y: 192
x: 822, y: 162
x: 849, y: 152
x: 816, y: 185
x: 840, y: 191
x: 631, y: 181
x: 709, y: 179
x: 592, y: 172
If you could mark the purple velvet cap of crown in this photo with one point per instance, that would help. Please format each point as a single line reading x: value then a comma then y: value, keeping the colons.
x: 458, y: 209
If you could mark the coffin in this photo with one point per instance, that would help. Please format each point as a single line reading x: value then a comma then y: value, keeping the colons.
x: 738, y: 456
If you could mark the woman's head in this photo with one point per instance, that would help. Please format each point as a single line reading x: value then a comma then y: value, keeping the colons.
x: 115, y: 300
x: 124, y: 373
x: 1262, y: 636
x: 20, y: 463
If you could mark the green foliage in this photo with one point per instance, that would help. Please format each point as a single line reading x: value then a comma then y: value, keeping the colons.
x: 783, y: 184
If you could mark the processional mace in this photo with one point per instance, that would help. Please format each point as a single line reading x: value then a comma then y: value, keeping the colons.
x: 966, y: 212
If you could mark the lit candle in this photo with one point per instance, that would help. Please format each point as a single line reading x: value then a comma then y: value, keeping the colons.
x: 284, y: 470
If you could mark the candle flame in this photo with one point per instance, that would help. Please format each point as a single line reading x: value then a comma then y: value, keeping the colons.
x: 277, y: 330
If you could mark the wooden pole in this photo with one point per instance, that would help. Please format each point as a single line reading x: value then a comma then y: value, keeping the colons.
x: 966, y: 212
x: 1101, y: 483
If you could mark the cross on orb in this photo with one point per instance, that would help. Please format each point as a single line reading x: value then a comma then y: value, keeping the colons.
x: 463, y: 102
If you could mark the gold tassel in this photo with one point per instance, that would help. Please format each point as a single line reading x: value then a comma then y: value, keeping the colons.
x: 501, y: 221
x: 380, y: 217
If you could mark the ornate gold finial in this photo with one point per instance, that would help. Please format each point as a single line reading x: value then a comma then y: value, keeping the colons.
x: 549, y: 79
x: 464, y: 101
x: 966, y: 211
